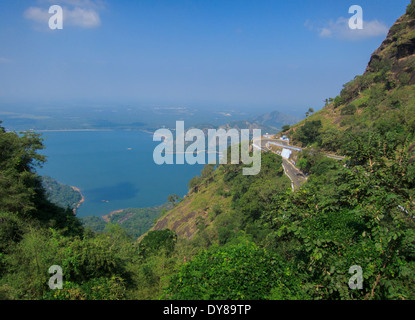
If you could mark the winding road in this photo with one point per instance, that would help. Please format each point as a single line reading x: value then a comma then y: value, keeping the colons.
x: 296, y: 176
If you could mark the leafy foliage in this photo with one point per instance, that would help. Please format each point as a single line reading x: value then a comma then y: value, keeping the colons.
x: 95, y: 289
x: 135, y: 221
x: 237, y: 272
x: 258, y: 240
x: 309, y: 132
x: 362, y: 214
x: 60, y: 194
x: 156, y: 241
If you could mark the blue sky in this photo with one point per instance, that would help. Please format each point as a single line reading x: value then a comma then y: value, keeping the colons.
x: 282, y: 55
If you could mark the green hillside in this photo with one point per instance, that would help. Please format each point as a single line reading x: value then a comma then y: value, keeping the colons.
x: 381, y: 101
x: 135, y: 221
x: 359, y: 212
x: 60, y: 194
x: 245, y: 237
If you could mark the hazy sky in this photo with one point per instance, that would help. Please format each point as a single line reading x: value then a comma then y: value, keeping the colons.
x: 287, y: 55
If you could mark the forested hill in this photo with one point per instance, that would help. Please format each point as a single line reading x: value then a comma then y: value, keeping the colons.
x: 60, y: 194
x: 379, y: 102
x: 245, y: 237
x: 357, y: 212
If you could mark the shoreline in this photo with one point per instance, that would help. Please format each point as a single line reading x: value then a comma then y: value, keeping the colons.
x: 71, y: 130
x: 90, y: 130
x: 80, y: 201
x: 192, y: 152
x: 107, y: 216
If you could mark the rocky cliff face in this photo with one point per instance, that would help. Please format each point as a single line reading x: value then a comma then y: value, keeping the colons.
x: 397, y: 51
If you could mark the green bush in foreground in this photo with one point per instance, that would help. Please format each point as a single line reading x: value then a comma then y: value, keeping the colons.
x: 242, y: 271
x: 95, y: 289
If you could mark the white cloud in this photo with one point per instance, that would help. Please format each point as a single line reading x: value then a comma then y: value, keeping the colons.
x: 339, y: 29
x: 37, y: 14
x: 81, y: 13
x: 86, y: 18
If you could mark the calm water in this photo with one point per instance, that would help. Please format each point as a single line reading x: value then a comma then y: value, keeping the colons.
x: 113, y: 169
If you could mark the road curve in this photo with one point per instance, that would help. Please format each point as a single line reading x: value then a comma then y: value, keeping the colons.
x: 296, y: 176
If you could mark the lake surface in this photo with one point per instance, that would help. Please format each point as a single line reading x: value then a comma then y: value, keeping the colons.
x: 113, y: 169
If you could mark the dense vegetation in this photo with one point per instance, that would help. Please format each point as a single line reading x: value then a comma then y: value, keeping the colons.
x: 259, y: 241
x: 359, y: 214
x: 243, y: 237
x: 60, y: 194
x: 135, y: 221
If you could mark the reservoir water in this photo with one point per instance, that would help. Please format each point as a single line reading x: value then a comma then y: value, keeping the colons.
x: 113, y: 169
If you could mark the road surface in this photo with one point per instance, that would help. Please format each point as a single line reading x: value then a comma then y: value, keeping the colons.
x: 296, y: 176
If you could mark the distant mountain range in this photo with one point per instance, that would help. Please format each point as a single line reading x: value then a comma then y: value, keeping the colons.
x: 271, y: 122
x: 275, y: 119
x: 22, y: 118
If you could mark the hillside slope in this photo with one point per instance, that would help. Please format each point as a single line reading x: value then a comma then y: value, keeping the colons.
x: 355, y: 212
x: 223, y: 201
x: 383, y: 98
x: 242, y: 237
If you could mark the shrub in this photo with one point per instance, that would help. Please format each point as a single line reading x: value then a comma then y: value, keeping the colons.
x: 309, y: 132
x: 242, y: 271
x: 410, y: 10
x: 95, y: 289
x: 348, y: 110
x: 158, y: 240
x: 337, y: 102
